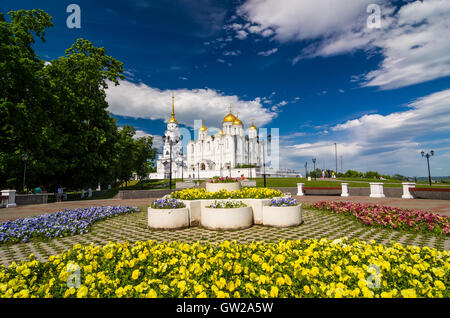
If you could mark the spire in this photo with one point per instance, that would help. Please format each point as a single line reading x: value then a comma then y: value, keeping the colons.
x: 172, y: 119
x: 173, y: 105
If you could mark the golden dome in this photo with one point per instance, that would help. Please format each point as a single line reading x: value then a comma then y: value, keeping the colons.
x: 229, y: 118
x: 220, y: 132
x: 237, y: 121
x: 253, y: 127
x: 203, y: 128
x: 173, y: 120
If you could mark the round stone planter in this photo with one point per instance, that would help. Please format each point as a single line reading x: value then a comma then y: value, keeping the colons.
x: 168, y: 219
x: 226, y: 219
x: 284, y: 216
x: 214, y: 187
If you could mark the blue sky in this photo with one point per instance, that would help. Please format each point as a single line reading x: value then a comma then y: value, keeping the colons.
x: 313, y: 69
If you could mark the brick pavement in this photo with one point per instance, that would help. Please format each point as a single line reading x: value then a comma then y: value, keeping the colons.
x: 439, y: 206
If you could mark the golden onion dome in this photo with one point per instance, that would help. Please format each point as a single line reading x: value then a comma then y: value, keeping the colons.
x: 203, y: 128
x: 237, y: 121
x: 229, y: 118
x: 220, y: 132
x: 173, y: 120
x: 253, y: 127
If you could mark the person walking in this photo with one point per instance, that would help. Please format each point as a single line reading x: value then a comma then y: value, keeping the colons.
x: 59, y: 194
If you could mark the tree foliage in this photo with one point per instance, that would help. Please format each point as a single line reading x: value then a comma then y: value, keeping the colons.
x: 56, y: 113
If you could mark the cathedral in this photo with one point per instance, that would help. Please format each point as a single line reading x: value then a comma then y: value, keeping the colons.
x: 232, y: 151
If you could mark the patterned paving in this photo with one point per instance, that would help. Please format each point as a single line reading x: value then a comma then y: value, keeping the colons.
x: 133, y: 227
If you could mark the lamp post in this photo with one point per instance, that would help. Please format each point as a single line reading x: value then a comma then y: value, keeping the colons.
x: 314, y: 162
x: 182, y: 163
x: 248, y: 154
x: 171, y: 142
x: 306, y: 169
x: 198, y: 172
x: 428, y: 155
x: 24, y: 158
x: 269, y: 137
x: 221, y: 156
x: 335, y: 154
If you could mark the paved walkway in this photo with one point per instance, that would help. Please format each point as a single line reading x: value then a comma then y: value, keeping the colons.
x: 439, y: 206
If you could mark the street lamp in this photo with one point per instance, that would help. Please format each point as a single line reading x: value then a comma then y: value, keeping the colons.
x: 24, y: 158
x: 198, y: 172
x: 171, y: 142
x: 306, y: 169
x: 182, y: 163
x: 428, y: 155
x: 314, y: 162
x: 269, y: 137
x: 248, y: 154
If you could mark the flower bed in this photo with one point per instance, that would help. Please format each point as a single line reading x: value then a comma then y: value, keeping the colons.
x: 283, y: 202
x: 167, y: 203
x: 244, y: 193
x: 227, y: 204
x: 223, y: 180
x: 390, y: 217
x: 307, y: 268
x: 58, y: 224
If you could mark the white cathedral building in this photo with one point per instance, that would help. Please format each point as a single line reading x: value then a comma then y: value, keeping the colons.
x: 233, y: 151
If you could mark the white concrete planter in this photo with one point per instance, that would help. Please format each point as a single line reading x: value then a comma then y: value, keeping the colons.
x: 406, y: 187
x: 376, y: 190
x: 165, y: 219
x: 214, y: 187
x: 226, y: 219
x: 195, y: 210
x: 282, y: 216
x: 257, y: 207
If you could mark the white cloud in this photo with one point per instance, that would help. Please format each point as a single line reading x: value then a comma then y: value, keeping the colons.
x: 220, y: 60
x: 241, y: 35
x: 411, y: 40
x: 142, y: 101
x: 387, y: 143
x: 232, y: 53
x: 268, y: 52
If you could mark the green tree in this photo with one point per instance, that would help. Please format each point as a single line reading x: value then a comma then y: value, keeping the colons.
x: 371, y: 175
x: 82, y: 140
x: 126, y: 154
x: 22, y: 111
x: 143, y: 156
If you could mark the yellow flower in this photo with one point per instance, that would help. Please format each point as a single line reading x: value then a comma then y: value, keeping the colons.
x: 274, y: 292
x: 409, y: 293
x: 135, y: 274
x: 280, y: 258
x: 306, y: 289
x: 314, y: 271
x: 82, y: 291
x: 355, y: 258
x: 439, y: 284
